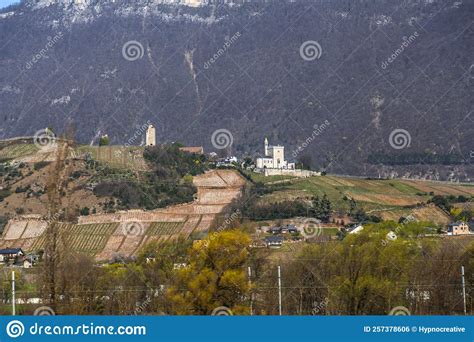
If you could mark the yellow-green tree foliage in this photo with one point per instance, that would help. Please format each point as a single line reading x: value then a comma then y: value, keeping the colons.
x: 214, y: 276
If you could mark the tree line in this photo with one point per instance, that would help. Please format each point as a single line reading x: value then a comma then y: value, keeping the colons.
x: 169, y: 181
x: 368, y: 273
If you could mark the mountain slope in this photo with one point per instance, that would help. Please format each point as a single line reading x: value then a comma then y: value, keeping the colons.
x: 383, y: 66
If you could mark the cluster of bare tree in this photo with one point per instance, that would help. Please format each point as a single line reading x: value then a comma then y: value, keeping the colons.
x: 364, y: 274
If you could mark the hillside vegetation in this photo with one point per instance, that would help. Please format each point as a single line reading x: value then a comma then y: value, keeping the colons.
x: 364, y: 274
x: 102, y: 179
x: 260, y: 86
x: 389, y: 199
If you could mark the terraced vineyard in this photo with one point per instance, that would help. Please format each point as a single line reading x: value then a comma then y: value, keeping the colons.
x: 87, y: 239
x: 164, y: 228
x: 87, y: 244
x: 17, y: 151
x: 94, y: 229
x: 105, y: 236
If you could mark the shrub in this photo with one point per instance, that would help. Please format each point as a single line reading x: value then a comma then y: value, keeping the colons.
x: 39, y: 165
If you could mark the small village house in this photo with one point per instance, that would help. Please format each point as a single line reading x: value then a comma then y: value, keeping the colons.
x: 275, y: 230
x: 27, y: 263
x: 458, y: 228
x: 8, y: 254
x: 273, y: 241
x: 288, y: 228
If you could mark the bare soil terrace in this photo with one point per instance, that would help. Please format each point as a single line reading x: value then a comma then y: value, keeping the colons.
x: 107, y: 235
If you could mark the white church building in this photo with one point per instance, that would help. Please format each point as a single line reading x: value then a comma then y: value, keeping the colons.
x: 274, y: 158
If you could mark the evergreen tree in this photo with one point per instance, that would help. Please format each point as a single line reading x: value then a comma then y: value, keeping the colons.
x: 325, y: 209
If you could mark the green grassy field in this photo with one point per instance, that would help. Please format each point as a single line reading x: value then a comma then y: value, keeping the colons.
x: 130, y: 157
x: 379, y: 197
x: 17, y: 151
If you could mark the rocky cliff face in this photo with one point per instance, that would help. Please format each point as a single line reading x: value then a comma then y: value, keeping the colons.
x: 353, y: 87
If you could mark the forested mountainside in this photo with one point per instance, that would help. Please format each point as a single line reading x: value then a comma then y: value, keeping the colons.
x: 386, y: 91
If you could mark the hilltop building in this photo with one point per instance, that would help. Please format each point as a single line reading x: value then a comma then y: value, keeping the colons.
x: 150, y: 139
x: 274, y: 158
x: 273, y: 163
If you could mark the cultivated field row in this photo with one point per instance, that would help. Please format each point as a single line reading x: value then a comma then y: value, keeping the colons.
x: 125, y: 232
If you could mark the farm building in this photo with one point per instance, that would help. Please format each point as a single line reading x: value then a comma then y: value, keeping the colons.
x: 288, y: 228
x: 273, y: 241
x: 275, y: 230
x: 10, y: 253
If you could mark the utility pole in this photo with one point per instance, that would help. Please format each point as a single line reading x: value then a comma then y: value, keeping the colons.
x: 463, y: 289
x: 279, y: 290
x: 13, y: 294
x: 251, y: 292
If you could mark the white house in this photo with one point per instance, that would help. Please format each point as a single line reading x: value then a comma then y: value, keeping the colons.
x: 458, y: 228
x: 356, y: 229
x: 274, y: 158
x: 27, y: 263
